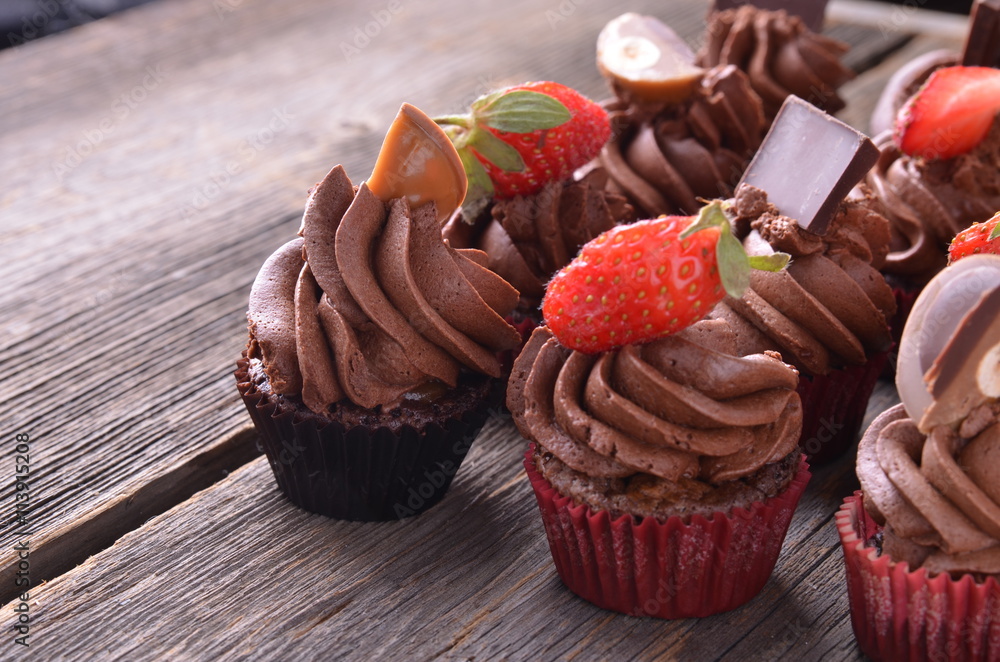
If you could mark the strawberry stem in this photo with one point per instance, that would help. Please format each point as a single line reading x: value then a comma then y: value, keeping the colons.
x: 464, y: 121
x: 734, y: 263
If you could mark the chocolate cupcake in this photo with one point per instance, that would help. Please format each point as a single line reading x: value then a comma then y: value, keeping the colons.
x: 664, y: 461
x: 373, y: 348
x: 828, y: 313
x: 921, y: 540
x: 929, y: 200
x: 528, y: 238
x: 929, y: 196
x: 681, y: 133
x: 779, y: 53
x: 663, y: 493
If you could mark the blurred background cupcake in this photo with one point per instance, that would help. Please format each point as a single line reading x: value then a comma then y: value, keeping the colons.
x: 680, y: 132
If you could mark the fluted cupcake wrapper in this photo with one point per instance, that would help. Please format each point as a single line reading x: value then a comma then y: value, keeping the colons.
x: 645, y: 567
x: 905, y: 298
x: 834, y: 406
x: 358, y: 473
x: 902, y: 615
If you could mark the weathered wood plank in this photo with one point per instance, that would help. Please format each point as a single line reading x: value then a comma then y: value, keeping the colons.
x: 150, y: 163
x: 238, y: 570
x: 149, y: 174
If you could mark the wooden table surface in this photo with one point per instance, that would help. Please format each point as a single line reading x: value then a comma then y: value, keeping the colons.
x: 150, y: 163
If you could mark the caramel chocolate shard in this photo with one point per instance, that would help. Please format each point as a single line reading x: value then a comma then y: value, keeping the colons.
x: 418, y: 162
x: 810, y: 11
x: 808, y: 163
x: 646, y: 58
x: 982, y: 45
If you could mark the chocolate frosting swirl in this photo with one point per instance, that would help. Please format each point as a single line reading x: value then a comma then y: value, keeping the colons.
x: 372, y: 305
x: 529, y: 238
x: 682, y: 408
x: 780, y: 54
x: 929, y: 201
x: 937, y: 495
x: 664, y: 158
x: 830, y: 307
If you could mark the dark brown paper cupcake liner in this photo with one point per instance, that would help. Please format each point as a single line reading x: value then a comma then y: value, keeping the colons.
x: 834, y: 407
x: 899, y: 614
x: 358, y: 473
x: 644, y: 567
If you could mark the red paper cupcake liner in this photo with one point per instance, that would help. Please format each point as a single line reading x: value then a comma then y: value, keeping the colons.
x: 902, y: 615
x: 834, y: 407
x: 645, y: 567
x: 905, y: 298
x: 358, y: 473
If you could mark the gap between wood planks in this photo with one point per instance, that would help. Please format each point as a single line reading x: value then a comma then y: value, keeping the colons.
x: 59, y: 551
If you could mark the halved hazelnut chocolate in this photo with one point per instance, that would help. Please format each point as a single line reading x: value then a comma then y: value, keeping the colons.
x: 647, y: 59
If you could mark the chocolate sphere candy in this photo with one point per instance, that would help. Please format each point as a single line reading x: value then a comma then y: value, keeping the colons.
x: 648, y: 59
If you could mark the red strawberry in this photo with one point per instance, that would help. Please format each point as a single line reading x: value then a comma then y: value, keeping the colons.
x: 518, y: 139
x: 950, y: 114
x: 652, y: 278
x: 979, y: 238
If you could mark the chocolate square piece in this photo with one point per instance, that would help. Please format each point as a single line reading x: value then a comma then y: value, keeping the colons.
x: 808, y: 163
x: 810, y: 11
x: 982, y: 46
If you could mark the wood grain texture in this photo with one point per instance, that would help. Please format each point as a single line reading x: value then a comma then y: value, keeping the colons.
x: 238, y: 571
x: 151, y: 162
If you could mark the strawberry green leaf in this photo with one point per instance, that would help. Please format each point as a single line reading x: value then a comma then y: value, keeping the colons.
x: 480, y: 190
x: 495, y: 151
x: 709, y: 216
x: 994, y: 233
x: 523, y: 111
x: 734, y: 266
x: 485, y: 100
x: 772, y: 262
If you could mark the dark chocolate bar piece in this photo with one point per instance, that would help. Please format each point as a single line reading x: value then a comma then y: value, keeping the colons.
x: 982, y: 45
x: 808, y: 163
x: 810, y: 11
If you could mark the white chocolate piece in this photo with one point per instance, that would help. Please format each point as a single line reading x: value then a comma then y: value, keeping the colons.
x: 949, y: 352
